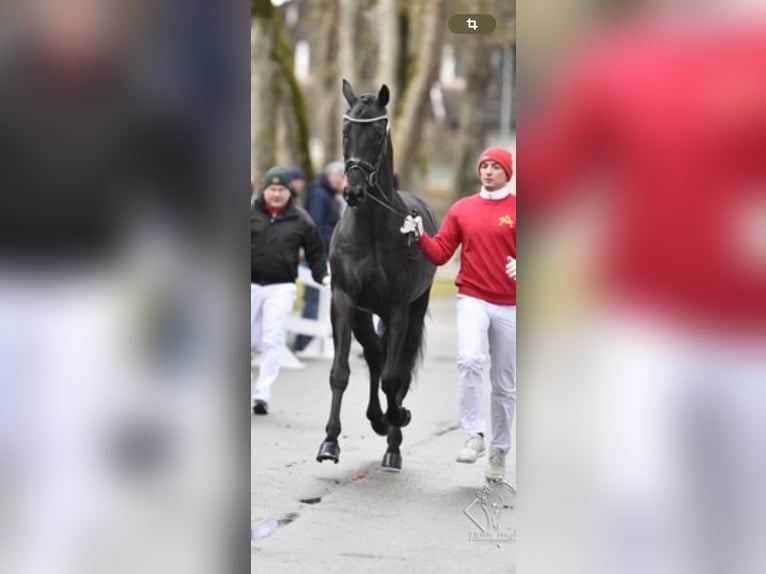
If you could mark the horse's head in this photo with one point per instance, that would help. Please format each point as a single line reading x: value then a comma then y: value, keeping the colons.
x: 366, y: 129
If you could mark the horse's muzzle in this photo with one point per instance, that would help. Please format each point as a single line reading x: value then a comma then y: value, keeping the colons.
x: 354, y: 195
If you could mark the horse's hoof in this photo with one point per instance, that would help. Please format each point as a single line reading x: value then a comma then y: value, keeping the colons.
x: 392, y: 462
x: 329, y: 451
x: 380, y: 426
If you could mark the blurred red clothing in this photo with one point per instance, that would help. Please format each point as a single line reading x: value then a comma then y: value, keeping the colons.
x: 677, y: 122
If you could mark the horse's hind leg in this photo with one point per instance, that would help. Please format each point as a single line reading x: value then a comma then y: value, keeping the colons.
x: 341, y: 315
x: 373, y: 354
x: 413, y: 343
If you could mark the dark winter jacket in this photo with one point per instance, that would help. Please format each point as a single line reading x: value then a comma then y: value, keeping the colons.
x: 275, y: 243
x: 323, y: 208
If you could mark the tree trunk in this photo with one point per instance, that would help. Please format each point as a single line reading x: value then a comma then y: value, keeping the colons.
x: 402, y: 62
x: 347, y: 37
x: 388, y: 43
x: 349, y: 18
x: 409, y: 125
x: 472, y: 133
x: 264, y: 94
x: 295, y: 113
x: 327, y: 74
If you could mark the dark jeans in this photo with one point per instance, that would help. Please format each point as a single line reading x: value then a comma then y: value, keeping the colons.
x: 310, y: 311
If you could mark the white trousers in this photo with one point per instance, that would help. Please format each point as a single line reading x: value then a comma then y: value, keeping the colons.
x: 678, y: 454
x: 270, y: 308
x: 477, y: 320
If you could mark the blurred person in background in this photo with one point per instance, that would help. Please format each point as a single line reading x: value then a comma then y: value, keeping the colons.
x: 325, y: 206
x: 74, y: 93
x: 279, y: 229
x: 298, y: 184
x: 485, y: 225
x: 253, y: 192
x: 110, y: 357
x: 663, y: 119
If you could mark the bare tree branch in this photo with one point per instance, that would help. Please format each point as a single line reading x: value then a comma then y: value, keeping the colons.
x: 264, y: 89
x: 409, y: 125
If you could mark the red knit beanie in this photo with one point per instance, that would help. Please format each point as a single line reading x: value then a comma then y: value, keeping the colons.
x: 499, y: 155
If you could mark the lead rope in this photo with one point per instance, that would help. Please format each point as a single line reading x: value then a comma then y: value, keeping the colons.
x: 411, y: 254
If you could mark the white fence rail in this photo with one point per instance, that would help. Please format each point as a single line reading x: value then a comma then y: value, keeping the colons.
x: 321, y: 346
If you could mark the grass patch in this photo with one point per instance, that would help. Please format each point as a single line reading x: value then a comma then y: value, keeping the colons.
x: 443, y: 287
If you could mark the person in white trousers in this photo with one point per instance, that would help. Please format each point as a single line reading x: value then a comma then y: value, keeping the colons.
x: 279, y: 229
x: 485, y: 225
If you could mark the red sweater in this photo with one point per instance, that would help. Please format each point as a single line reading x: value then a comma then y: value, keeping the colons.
x: 679, y: 123
x: 487, y: 230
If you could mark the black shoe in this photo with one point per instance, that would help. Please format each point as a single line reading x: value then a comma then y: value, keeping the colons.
x: 260, y: 408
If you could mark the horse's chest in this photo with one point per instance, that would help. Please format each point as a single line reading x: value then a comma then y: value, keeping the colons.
x: 376, y: 287
x: 375, y: 280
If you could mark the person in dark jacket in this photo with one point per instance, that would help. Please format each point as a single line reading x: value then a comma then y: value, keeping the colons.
x: 325, y: 205
x: 298, y: 185
x: 279, y: 229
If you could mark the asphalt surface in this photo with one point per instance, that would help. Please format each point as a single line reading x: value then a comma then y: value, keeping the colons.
x: 435, y: 515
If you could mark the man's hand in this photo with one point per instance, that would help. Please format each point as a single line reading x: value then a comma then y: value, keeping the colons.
x: 510, y: 267
x: 326, y: 281
x: 412, y: 225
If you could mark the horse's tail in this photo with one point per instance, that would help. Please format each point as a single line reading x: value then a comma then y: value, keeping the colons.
x: 416, y: 337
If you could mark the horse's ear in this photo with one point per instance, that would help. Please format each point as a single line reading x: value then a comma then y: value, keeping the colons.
x: 348, y: 93
x: 383, y: 95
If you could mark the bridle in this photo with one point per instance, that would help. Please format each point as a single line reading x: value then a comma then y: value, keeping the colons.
x: 369, y: 171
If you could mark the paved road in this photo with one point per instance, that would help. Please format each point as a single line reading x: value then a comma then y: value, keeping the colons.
x: 354, y: 518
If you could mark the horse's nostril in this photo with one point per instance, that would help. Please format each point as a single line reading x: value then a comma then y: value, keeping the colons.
x: 353, y: 194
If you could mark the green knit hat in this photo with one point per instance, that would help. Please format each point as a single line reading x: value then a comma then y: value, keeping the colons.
x: 277, y: 176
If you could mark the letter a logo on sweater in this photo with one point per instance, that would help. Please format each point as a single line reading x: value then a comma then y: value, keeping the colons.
x: 506, y: 220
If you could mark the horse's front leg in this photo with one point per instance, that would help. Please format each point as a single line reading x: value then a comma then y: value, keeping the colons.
x: 373, y: 354
x: 341, y: 315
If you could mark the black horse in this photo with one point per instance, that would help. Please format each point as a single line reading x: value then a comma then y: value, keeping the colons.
x: 376, y: 269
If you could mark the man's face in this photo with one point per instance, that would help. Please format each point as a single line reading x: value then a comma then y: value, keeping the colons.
x: 337, y: 181
x: 298, y: 185
x: 492, y: 175
x: 75, y: 31
x: 276, y: 196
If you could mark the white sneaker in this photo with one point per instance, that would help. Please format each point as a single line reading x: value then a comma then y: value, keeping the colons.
x: 473, y: 449
x: 496, y: 468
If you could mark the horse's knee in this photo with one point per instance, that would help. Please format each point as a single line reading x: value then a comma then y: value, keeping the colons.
x: 339, y: 377
x: 338, y: 384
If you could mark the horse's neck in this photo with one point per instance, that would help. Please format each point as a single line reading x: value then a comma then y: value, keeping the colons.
x: 376, y: 222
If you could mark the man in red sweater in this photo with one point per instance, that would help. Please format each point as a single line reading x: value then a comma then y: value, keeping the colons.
x: 485, y: 225
x: 664, y: 119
